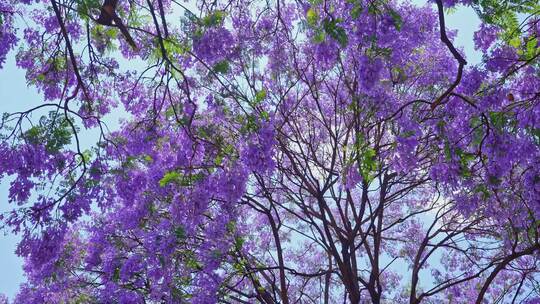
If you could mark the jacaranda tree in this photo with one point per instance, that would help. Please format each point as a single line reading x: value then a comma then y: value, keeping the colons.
x: 317, y: 151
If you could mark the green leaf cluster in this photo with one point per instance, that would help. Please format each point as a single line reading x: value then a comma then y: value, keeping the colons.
x: 312, y: 17
x: 215, y: 18
x: 226, y: 150
x: 505, y: 15
x: 221, y: 67
x: 180, y: 179
x: 368, y: 163
x: 502, y: 121
x: 180, y: 232
x: 332, y: 28
x: 328, y: 26
x: 365, y: 158
x: 465, y: 158
x: 84, y: 8
x: 54, y: 131
x: 396, y: 17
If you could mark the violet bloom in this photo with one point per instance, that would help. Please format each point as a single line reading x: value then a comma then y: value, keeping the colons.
x: 369, y: 72
x: 258, y: 154
x: 8, y: 39
x: 327, y: 53
x: 214, y: 45
x: 485, y: 37
x: 352, y: 177
x: 501, y: 59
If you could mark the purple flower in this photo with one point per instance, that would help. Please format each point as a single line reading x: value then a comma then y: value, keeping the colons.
x: 369, y: 72
x: 258, y: 153
x: 485, y: 37
x: 8, y: 38
x: 215, y: 44
x: 501, y: 59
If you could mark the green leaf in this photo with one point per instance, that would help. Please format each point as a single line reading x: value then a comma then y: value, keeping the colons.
x: 191, y: 262
x: 368, y: 163
x: 332, y: 28
x: 218, y: 160
x: 116, y: 274
x: 221, y: 67
x: 33, y: 134
x: 478, y: 133
x: 464, y: 159
x: 398, y: 21
x: 265, y: 116
x: 87, y: 155
x: 531, y: 48
x: 312, y: 17
x: 498, y: 120
x: 231, y: 226
x: 180, y: 179
x: 535, y: 132
x: 356, y: 11
x: 147, y: 158
x: 228, y: 149
x: 238, y: 243
x: 483, y: 190
x: 170, y: 177
x: 54, y: 132
x: 515, y: 42
x: 215, y: 18
x: 259, y: 97
x: 175, y: 47
x: 180, y: 232
x: 111, y: 32
x: 85, y: 6
x: 319, y: 35
x: 450, y: 10
x: 250, y: 124
x: 447, y: 151
x: 240, y: 265
x: 83, y: 299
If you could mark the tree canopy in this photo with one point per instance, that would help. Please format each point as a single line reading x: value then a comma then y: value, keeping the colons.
x: 308, y: 151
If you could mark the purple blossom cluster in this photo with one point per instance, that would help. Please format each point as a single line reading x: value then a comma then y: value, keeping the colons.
x: 258, y: 155
x: 8, y: 37
x: 369, y: 72
x: 214, y: 45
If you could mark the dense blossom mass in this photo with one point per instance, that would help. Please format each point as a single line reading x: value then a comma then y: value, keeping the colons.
x: 336, y: 151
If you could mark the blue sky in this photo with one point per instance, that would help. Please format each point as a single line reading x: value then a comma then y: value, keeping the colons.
x: 16, y: 96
